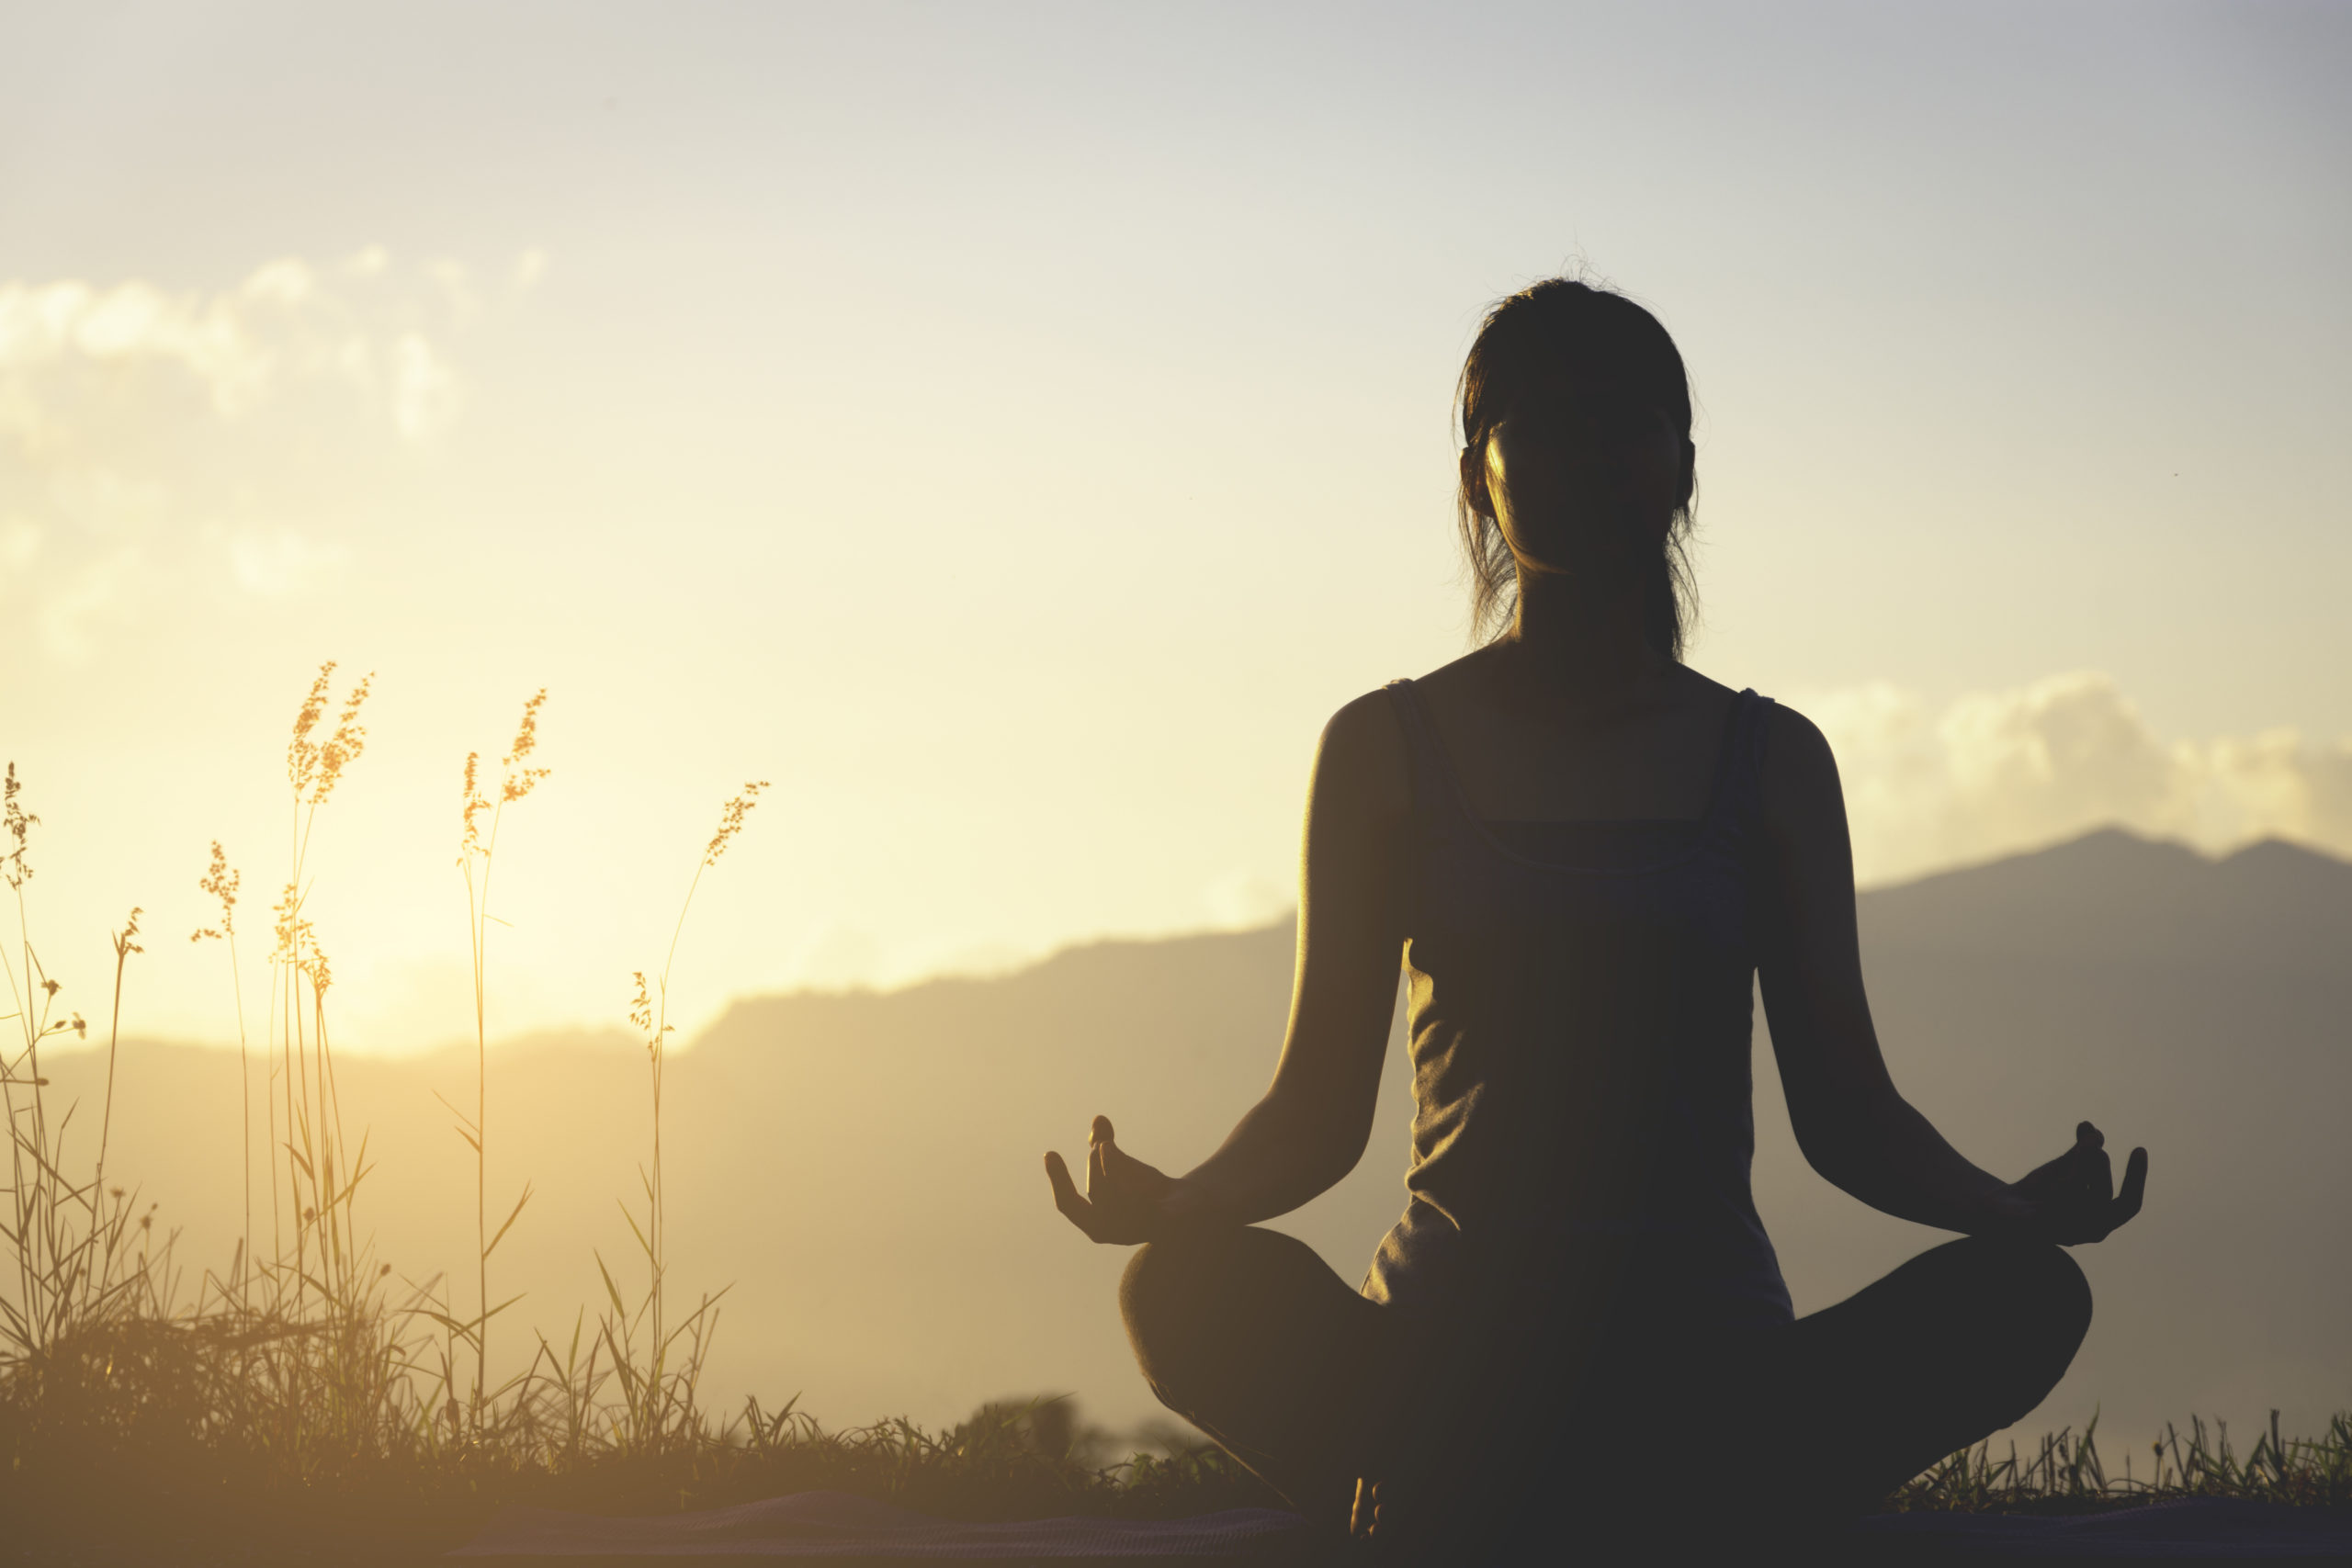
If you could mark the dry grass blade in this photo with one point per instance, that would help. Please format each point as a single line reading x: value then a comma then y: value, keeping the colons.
x: 509, y: 1221
x: 477, y: 857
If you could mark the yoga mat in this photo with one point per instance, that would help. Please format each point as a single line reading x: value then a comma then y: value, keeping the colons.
x: 2222, y: 1527
x: 837, y: 1525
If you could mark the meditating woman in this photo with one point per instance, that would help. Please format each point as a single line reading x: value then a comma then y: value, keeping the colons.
x: 1585, y: 851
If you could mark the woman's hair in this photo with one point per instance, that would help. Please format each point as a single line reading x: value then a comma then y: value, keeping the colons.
x: 1562, y: 336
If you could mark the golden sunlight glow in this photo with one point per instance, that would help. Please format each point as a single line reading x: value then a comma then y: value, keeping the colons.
x: 446, y: 456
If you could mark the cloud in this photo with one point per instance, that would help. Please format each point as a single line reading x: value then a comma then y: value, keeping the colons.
x: 1992, y: 772
x: 287, y: 324
x: 153, y: 437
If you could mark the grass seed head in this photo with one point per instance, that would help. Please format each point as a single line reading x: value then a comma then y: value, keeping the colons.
x: 475, y: 804
x: 312, y: 767
x: 289, y: 911
x: 344, y: 747
x: 302, y: 752
x: 730, y: 821
x: 222, y: 883
x: 521, y: 780
x: 515, y: 779
x: 19, y: 824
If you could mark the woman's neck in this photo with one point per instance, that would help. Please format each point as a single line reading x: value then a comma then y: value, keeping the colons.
x: 1570, y: 646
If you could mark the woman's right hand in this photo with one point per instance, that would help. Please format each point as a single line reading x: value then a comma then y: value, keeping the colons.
x: 2073, y: 1198
x: 1126, y: 1201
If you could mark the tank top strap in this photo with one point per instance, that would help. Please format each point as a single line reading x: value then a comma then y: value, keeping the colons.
x: 1737, y: 806
x: 1430, y: 771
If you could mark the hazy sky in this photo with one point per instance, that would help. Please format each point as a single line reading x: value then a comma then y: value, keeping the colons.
x: 1011, y: 429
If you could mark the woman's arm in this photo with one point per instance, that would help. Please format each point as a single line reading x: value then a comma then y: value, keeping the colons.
x: 1310, y: 1127
x: 1850, y: 1121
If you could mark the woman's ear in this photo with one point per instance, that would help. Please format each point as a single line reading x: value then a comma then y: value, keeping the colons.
x: 1474, y: 480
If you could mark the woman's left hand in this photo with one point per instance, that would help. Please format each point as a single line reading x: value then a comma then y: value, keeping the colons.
x: 2073, y: 1198
x: 1126, y: 1201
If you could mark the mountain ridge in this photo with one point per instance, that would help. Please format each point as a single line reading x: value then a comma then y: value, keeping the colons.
x: 863, y: 1165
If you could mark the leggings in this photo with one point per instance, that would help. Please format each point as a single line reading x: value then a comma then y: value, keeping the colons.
x: 1250, y: 1336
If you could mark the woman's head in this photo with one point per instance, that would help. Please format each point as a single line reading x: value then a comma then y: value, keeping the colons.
x: 1576, y: 456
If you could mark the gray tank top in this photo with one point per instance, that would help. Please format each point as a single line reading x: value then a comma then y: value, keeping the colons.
x: 1580, y: 1026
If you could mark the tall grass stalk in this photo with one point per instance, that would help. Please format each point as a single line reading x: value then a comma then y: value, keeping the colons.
x: 657, y: 1391
x: 68, y: 1234
x: 220, y: 883
x: 477, y: 856
x: 320, y: 1177
x: 126, y: 942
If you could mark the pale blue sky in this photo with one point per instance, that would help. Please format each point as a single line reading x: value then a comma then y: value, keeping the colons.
x: 1013, y: 429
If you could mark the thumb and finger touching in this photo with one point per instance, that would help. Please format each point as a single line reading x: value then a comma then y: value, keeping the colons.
x: 1117, y: 1186
x: 2075, y: 1196
x: 2118, y: 1204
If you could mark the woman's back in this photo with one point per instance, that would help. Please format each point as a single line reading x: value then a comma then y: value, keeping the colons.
x: 1523, y: 754
x: 1580, y: 985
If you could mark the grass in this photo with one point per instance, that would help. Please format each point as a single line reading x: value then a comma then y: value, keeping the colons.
x: 301, y: 1402
x: 2068, y: 1474
x: 477, y: 857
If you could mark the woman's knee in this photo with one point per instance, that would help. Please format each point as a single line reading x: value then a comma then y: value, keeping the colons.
x: 1169, y: 1298
x: 1188, y: 1301
x: 2037, y: 1294
x: 1153, y: 1276
x: 2061, y: 1295
x: 1997, y: 1279
x: 2038, y: 1284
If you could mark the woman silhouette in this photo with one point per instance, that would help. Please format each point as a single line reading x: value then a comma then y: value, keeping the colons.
x: 1586, y: 851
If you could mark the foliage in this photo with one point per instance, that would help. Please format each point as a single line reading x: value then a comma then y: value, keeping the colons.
x: 2068, y: 1472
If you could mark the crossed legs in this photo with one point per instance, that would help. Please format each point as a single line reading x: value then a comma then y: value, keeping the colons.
x: 1249, y: 1336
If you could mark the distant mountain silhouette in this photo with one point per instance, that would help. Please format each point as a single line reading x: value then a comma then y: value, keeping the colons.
x: 2112, y: 898
x: 863, y: 1167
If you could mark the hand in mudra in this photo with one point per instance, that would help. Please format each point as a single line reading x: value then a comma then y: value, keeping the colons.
x: 2073, y: 1198
x: 1126, y: 1201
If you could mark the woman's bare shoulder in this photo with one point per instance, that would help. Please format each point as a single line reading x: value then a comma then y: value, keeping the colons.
x: 1794, y: 744
x: 1362, y: 765
x: 1799, y: 771
x: 1802, y: 793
